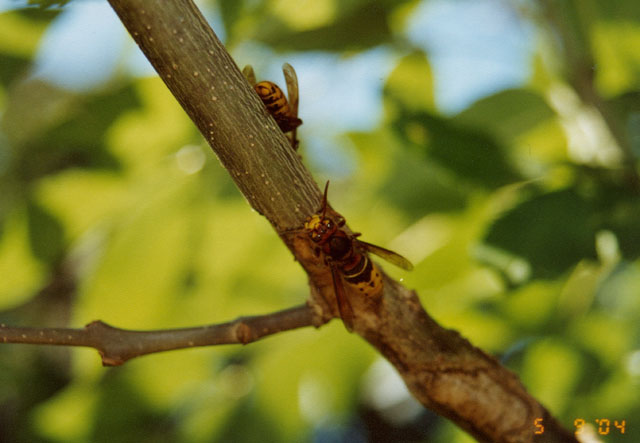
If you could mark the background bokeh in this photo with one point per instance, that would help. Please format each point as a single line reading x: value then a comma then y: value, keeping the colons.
x: 492, y: 142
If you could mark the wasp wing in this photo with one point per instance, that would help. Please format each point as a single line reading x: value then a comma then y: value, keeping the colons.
x: 292, y: 91
x: 344, y: 306
x: 248, y: 73
x: 292, y: 88
x: 386, y: 254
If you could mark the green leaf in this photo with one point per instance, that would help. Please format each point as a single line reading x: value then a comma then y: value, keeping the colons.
x: 508, y: 114
x: 410, y: 84
x: 142, y: 423
x: 410, y: 182
x: 263, y: 427
x: 44, y: 4
x: 622, y: 10
x: 551, y: 369
x: 614, y: 47
x: 551, y: 231
x: 471, y: 154
x: 22, y: 274
x: 360, y: 28
x: 419, y: 188
x: 70, y: 131
x: 230, y: 12
x: 11, y: 67
x: 626, y: 109
x: 46, y: 234
x: 622, y: 217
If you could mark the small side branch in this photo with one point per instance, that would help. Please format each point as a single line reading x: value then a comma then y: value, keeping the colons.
x: 116, y: 345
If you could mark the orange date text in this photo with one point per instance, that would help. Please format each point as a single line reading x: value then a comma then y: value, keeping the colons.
x: 604, y: 426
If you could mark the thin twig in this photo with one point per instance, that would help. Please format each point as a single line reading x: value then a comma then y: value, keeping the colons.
x: 116, y: 345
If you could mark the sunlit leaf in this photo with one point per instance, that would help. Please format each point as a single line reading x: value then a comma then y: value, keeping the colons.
x: 531, y: 305
x: 53, y: 415
x: 360, y: 28
x: 617, y: 61
x: 551, y: 370
x: 605, y: 338
x: 21, y: 271
x: 410, y: 84
x: 303, y: 15
x: 82, y: 199
x: 21, y: 30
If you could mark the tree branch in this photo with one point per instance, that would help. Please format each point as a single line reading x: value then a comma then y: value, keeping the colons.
x: 203, y: 77
x: 116, y: 346
x: 443, y: 370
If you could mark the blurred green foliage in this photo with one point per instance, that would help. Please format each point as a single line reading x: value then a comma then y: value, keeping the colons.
x: 520, y: 212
